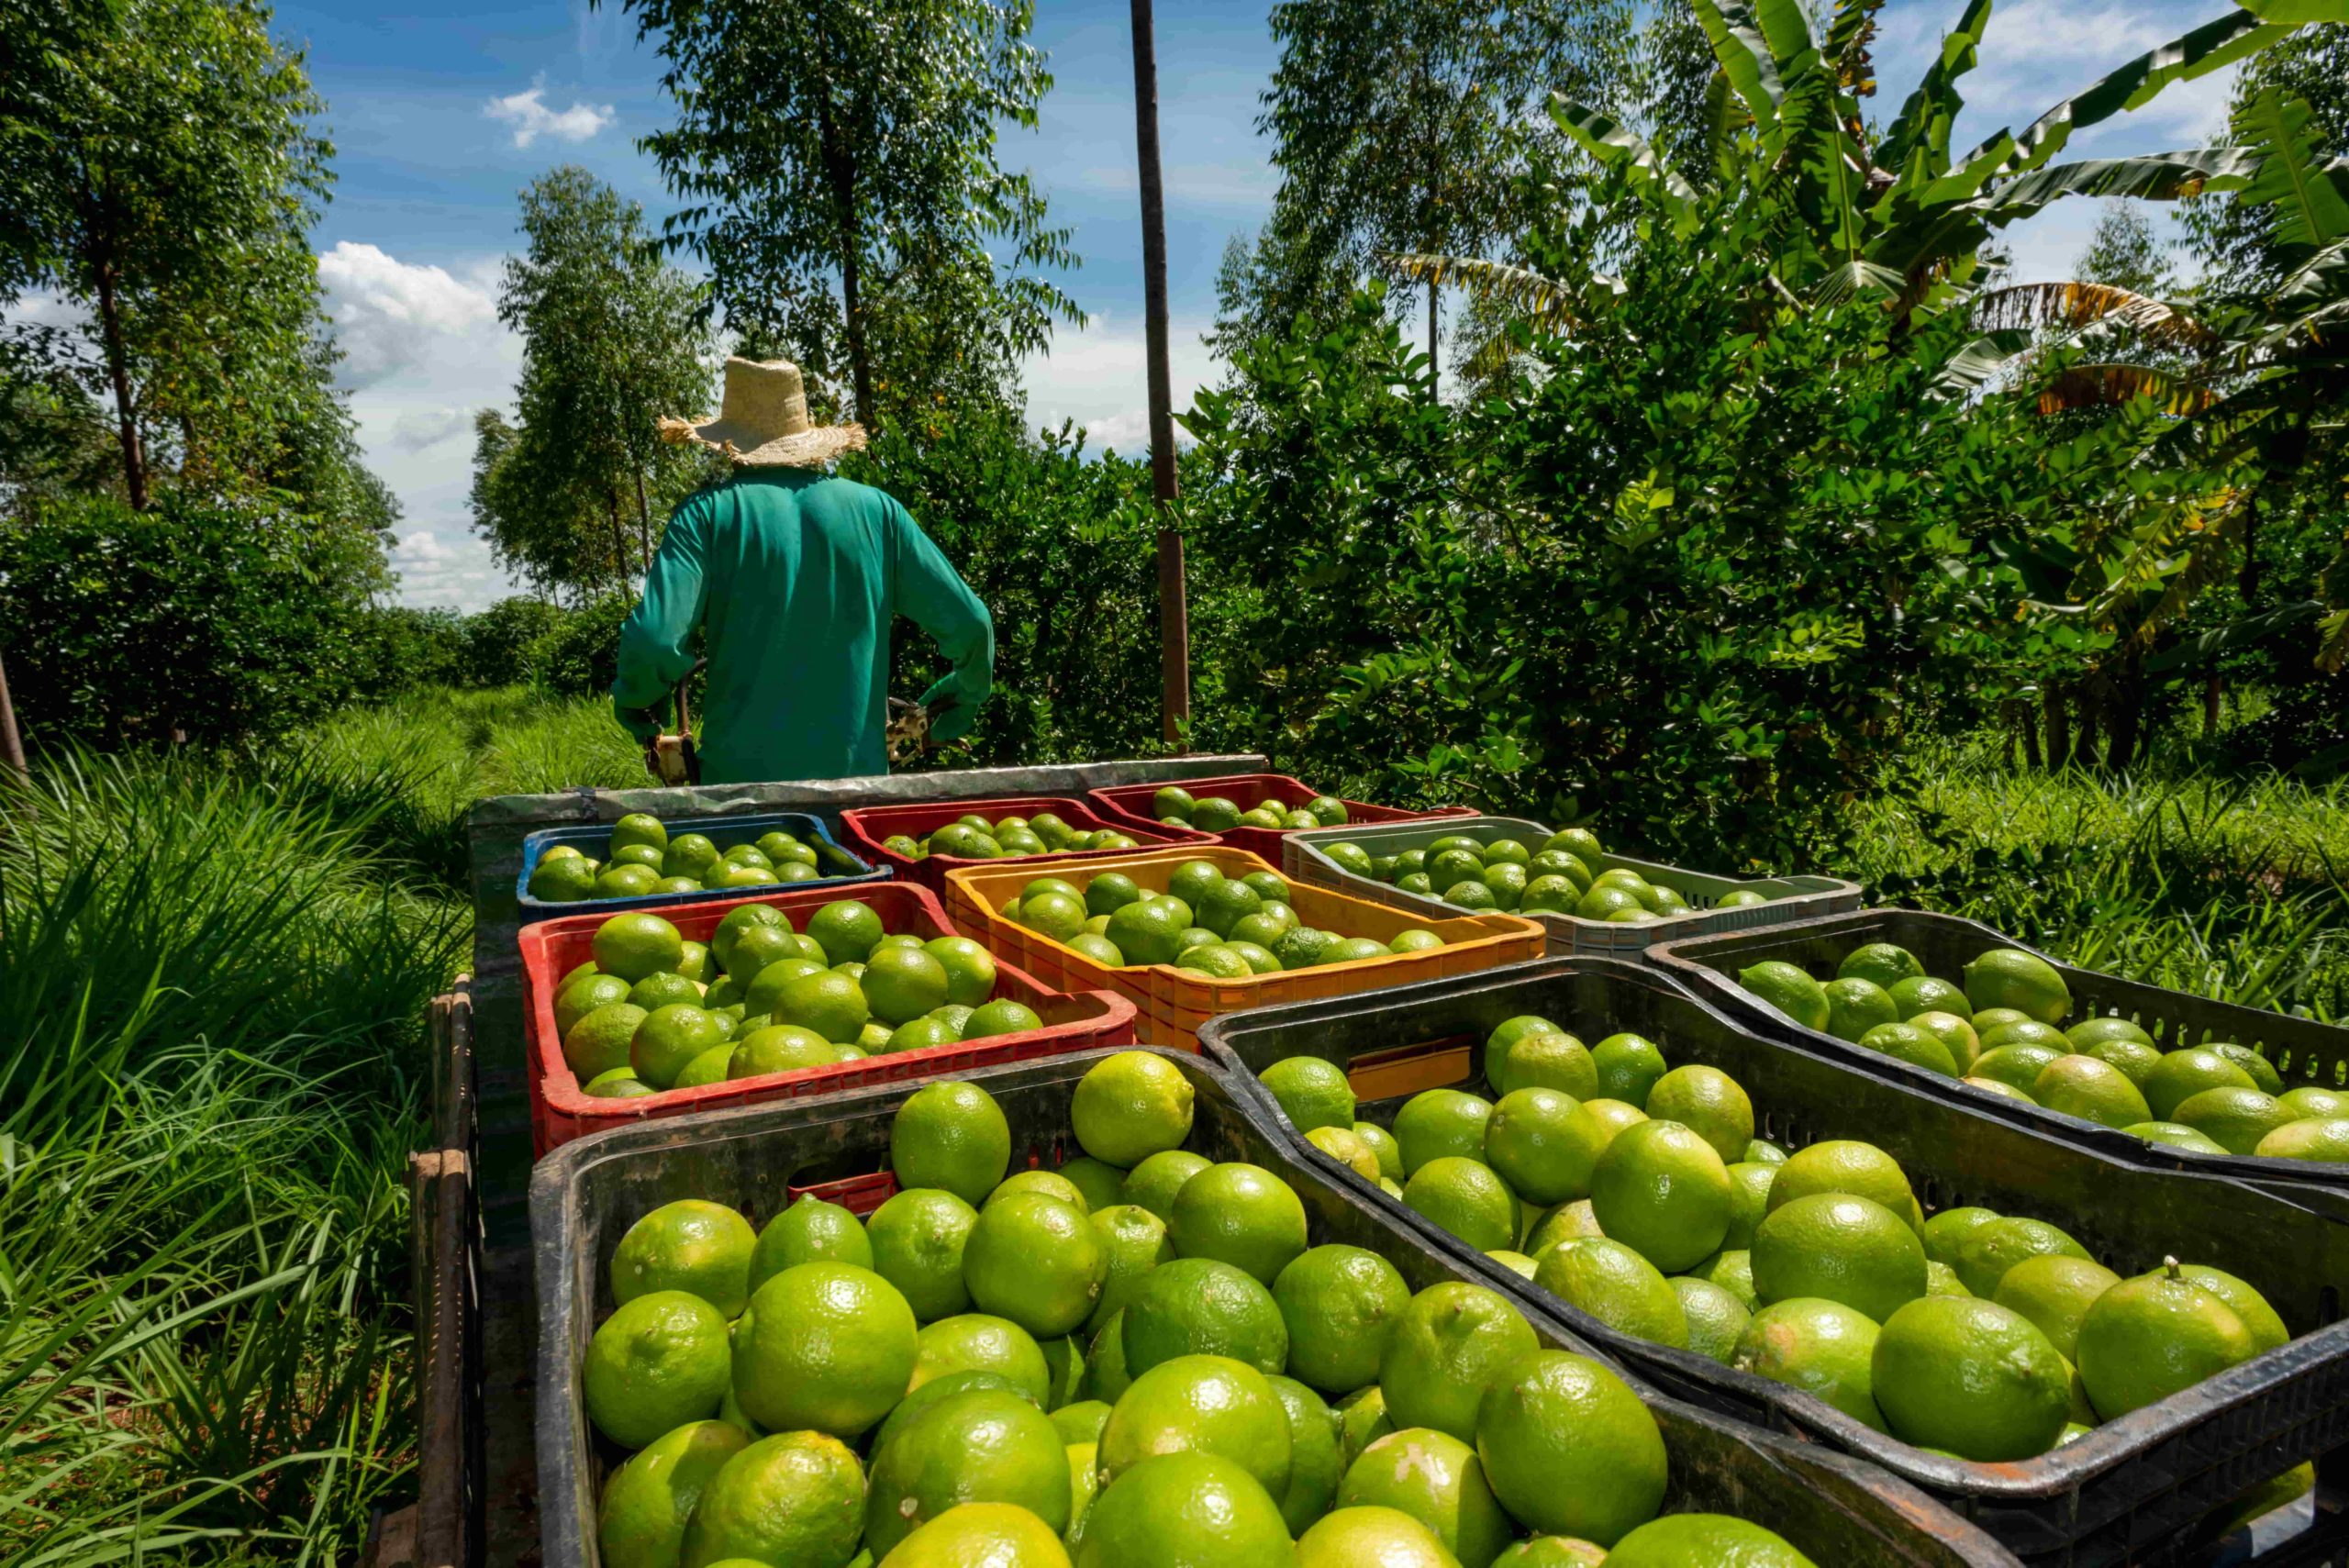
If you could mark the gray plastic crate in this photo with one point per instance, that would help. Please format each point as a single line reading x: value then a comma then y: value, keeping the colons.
x: 1839, y: 1512
x: 1791, y: 897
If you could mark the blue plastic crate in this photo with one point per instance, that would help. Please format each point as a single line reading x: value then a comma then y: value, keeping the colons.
x: 844, y: 869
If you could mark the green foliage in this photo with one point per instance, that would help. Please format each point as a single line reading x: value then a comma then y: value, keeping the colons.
x: 164, y: 170
x: 611, y: 344
x: 216, y: 620
x: 1701, y: 573
x: 579, y: 655
x: 1059, y: 546
x: 838, y: 166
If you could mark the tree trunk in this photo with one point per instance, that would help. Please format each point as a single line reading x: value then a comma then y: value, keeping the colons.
x: 2247, y: 583
x: 840, y: 170
x: 133, y: 451
x: 2019, y: 714
x: 1173, y: 609
x: 2211, y: 688
x: 2083, y: 732
x: 619, y: 543
x: 11, y: 745
x: 1432, y: 334
x: 643, y: 524
x: 2125, y: 714
x: 2058, y: 723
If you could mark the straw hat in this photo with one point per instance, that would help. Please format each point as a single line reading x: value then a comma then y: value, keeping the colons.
x: 764, y: 420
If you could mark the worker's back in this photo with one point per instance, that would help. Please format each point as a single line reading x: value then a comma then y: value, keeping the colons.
x: 795, y: 577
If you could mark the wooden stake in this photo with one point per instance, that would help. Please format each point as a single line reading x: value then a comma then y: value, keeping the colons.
x: 11, y: 745
x: 1174, y: 613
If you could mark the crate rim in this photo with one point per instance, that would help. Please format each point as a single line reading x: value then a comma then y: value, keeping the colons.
x: 536, y: 842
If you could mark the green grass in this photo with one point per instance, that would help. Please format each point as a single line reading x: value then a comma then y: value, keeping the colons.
x: 214, y: 973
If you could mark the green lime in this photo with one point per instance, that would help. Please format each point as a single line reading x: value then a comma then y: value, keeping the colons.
x: 1465, y: 1199
x: 1568, y: 1222
x: 1709, y: 1102
x: 1855, y: 1006
x: 828, y: 1347
x: 1839, y: 1248
x: 1341, y: 1144
x: 2181, y: 1074
x: 2235, y: 1119
x: 657, y: 1362
x: 1906, y: 1043
x: 1081, y: 1422
x: 622, y: 1084
x: 1339, y: 1305
x: 2009, y: 977
x: 1525, y: 1140
x: 1881, y: 963
x: 1181, y: 1510
x: 670, y: 1038
x: 1821, y: 1347
x: 1200, y: 1404
x: 1130, y: 1107
x: 2322, y: 1140
x: 1970, y: 1378
x: 779, y: 1048
x: 2267, y: 1330
x: 1198, y: 1306
x: 978, y: 1341
x: 951, y: 1136
x: 1388, y: 1538
x: 1570, y: 1450
x: 917, y: 1239
x: 1661, y: 1190
x: 1133, y: 1242
x: 641, y: 1522
x: 586, y: 994
x: 981, y: 1446
x: 1036, y: 1260
x: 1105, y: 1377
x: 847, y: 929
x: 635, y: 945
x: 1001, y: 1535
x: 2148, y: 1338
x: 1616, y: 1285
x: 1923, y: 994
x: 809, y: 1231
x: 1152, y: 1184
x: 702, y: 1248
x: 1629, y: 1066
x: 1956, y: 1035
x: 1846, y: 1165
x: 1683, y: 1541
x: 1241, y: 1215
x: 1717, y: 1319
x: 599, y: 1041
x: 792, y: 1497
x: 1750, y: 1181
x: 1312, y: 1091
x: 1436, y: 1479
x: 1438, y: 1123
x: 2092, y: 1090
x: 1990, y: 1250
x: 2055, y: 1292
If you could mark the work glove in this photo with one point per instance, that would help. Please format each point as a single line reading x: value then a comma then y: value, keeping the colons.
x: 956, y: 721
x: 642, y: 723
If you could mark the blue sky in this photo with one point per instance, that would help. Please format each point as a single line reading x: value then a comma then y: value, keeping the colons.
x: 442, y: 111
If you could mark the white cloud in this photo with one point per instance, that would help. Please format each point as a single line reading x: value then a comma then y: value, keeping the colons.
x: 388, y: 314
x: 527, y: 113
x: 421, y: 429
x: 1099, y: 377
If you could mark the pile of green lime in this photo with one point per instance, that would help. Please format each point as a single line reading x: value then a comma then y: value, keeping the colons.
x: 1138, y: 1359
x: 643, y: 860
x: 2000, y: 1026
x: 974, y: 837
x: 1553, y: 877
x: 1227, y: 928
x: 1638, y: 1192
x: 652, y: 1010
x: 1173, y: 807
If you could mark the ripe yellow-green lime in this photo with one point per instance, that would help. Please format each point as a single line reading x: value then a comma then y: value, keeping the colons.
x: 641, y: 1520
x: 1717, y: 1319
x: 1133, y: 1242
x: 2181, y: 1074
x: 2179, y: 1135
x: 1789, y: 989
x: 2055, y: 1292
x: 1989, y: 1251
x: 825, y: 1346
x: 951, y: 1136
x: 1466, y: 1198
x: 1382, y: 1144
x: 1685, y: 1540
x: 1839, y: 1248
x: 1438, y: 1123
x: 982, y: 1446
x: 702, y: 1248
x: 1449, y: 1343
x: 654, y: 1364
x: 1552, y: 1061
x: 1211, y: 1405
x: 1198, y: 1306
x: 1732, y: 1270
x: 599, y: 1041
x: 1182, y: 1510
x: 1661, y: 1190
x: 2267, y: 1330
x: 1036, y: 1260
x: 779, y: 1048
x: 982, y: 1535
x: 2325, y: 1141
x: 1342, y: 1144
x: 2154, y: 1336
x: 1823, y: 1348
x: 1945, y: 1234
x: 1569, y: 1450
x: 1750, y: 1181
x: 2007, y: 977
x: 1616, y: 1285
x: 1884, y: 964
x: 846, y: 929
x: 2096, y: 1091
x: 1152, y: 1184
x: 1052, y: 1183
x: 1339, y: 1306
x: 1525, y: 1142
x: 1970, y: 1378
x: 1568, y: 1222
x: 1855, y: 1006
x: 669, y: 1039
x: 1081, y: 1422
x: 2235, y: 1119
x: 2026, y: 1031
x: 1312, y: 1091
x: 2017, y: 1067
x: 1002, y: 1016
x: 827, y: 1002
x: 1436, y: 1479
x: 635, y: 945
x: 1130, y: 1107
x: 1503, y: 1040
x: 1923, y: 994
x: 1846, y: 1165
x: 1906, y: 1043
x: 584, y: 995
x: 1709, y: 1102
x: 1955, y: 1034
x: 1584, y: 1139
x: 1629, y: 1065
x: 792, y: 1497
x: 1364, y: 1537
x: 977, y: 1342
x: 1241, y: 1215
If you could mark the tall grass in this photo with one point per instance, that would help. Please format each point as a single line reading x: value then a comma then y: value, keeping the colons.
x: 2225, y: 888
x: 213, y: 985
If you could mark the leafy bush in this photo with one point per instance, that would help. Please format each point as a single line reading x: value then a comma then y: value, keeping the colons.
x: 498, y: 640
x: 403, y: 649
x: 210, y: 620
x: 1061, y: 550
x: 578, y: 654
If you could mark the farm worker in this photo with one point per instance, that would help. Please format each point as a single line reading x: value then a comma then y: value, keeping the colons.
x: 792, y: 576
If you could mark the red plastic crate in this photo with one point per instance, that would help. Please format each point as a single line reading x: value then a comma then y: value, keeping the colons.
x: 561, y: 1110
x: 865, y: 827
x: 1127, y: 807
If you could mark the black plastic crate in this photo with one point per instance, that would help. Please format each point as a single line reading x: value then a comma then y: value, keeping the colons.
x: 838, y: 867
x: 583, y: 1197
x: 2133, y: 1490
x: 2302, y: 1051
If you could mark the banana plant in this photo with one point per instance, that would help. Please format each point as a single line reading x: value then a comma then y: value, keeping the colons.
x: 1898, y: 216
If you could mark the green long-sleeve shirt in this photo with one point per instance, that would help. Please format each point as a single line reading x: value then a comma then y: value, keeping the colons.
x: 795, y: 577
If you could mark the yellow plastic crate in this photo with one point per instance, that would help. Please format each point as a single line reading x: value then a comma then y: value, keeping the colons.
x: 1173, y: 1004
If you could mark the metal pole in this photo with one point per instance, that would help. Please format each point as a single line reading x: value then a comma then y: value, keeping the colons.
x: 11, y: 745
x: 1173, y: 613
